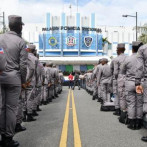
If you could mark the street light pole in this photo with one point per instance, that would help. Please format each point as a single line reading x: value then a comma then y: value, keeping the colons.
x: 136, y: 16
x: 136, y: 26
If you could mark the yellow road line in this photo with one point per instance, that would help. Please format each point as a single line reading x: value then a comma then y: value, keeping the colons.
x: 63, y: 141
x: 77, y: 139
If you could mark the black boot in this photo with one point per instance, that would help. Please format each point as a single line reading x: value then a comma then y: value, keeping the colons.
x: 123, y: 116
x: 132, y: 124
x: 56, y: 95
x: 138, y: 124
x: 24, y: 116
x: 144, y: 138
x: 53, y: 97
x: 50, y: 100
x: 117, y: 112
x: 93, y: 98
x: 9, y: 142
x: 2, y: 142
x: 44, y: 102
x: 30, y: 118
x: 79, y: 88
x: 19, y: 128
x: 38, y: 109
x: 34, y: 113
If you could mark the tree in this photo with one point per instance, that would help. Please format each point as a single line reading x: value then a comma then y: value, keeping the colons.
x: 143, y: 38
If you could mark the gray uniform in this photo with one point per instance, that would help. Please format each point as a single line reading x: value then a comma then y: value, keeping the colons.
x: 2, y: 68
x: 46, y: 82
x: 31, y: 76
x: 141, y: 72
x: 134, y: 100
x: 118, y: 63
x: 98, y: 85
x: 61, y: 79
x: 94, y: 77
x: 105, y: 78
x: 114, y: 84
x: 11, y: 79
x: 40, y: 79
x: 54, y: 78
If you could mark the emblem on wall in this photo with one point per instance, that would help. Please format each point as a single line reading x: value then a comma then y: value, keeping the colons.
x: 52, y: 41
x: 71, y: 41
x: 88, y: 41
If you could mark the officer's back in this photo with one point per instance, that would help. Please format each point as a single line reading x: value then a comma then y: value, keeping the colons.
x: 14, y: 47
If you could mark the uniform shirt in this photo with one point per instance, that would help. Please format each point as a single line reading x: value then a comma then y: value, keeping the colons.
x: 34, y: 61
x: 118, y: 63
x: 76, y: 77
x: 30, y: 69
x: 2, y: 60
x: 61, y: 78
x: 141, y: 65
x: 47, y: 75
x: 40, y: 74
x: 129, y: 67
x: 104, y: 75
x: 16, y: 56
x: 96, y: 70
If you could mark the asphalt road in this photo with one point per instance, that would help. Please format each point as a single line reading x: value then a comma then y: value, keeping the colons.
x: 96, y: 129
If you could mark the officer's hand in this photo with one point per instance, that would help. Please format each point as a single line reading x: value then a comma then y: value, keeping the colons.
x: 23, y: 86
x: 49, y: 85
x: 28, y: 84
x: 0, y: 72
x: 116, y: 77
x: 139, y: 89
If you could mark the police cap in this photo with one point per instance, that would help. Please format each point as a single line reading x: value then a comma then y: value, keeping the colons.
x: 14, y: 19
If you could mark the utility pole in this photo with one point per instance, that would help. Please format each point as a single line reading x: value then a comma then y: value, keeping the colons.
x: 70, y: 7
x: 3, y: 21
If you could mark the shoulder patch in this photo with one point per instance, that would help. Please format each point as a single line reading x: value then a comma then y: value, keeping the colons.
x: 1, y: 50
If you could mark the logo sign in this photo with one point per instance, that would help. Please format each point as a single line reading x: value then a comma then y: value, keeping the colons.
x: 88, y: 41
x: 71, y: 41
x: 1, y: 51
x: 52, y: 41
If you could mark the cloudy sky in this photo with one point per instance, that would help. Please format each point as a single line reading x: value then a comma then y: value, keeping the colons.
x: 108, y: 12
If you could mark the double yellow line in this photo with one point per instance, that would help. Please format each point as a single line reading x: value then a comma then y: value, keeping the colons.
x: 64, y: 135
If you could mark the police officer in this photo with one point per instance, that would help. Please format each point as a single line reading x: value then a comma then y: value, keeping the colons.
x: 2, y: 68
x: 114, y: 86
x: 76, y: 80
x: 95, y: 74
x: 95, y: 88
x: 134, y: 100
x: 47, y: 84
x: 141, y: 72
x: 61, y: 80
x: 31, y: 83
x: 40, y: 81
x: 120, y: 80
x: 12, y: 78
x: 99, y: 84
x: 105, y: 78
x: 54, y: 74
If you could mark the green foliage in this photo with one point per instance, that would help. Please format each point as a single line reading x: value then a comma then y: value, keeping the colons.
x: 143, y: 38
x: 106, y: 40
